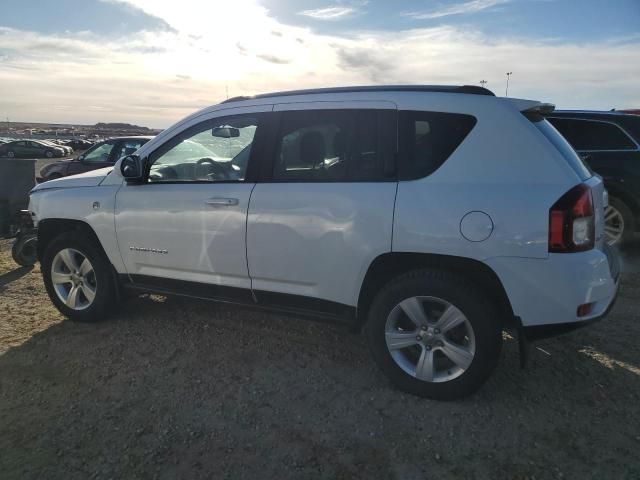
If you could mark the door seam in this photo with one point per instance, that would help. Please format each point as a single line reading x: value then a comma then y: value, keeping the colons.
x: 246, y: 243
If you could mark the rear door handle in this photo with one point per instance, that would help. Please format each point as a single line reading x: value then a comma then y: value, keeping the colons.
x: 222, y: 202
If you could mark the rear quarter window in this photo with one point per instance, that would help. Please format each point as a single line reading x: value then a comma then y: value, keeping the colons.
x: 427, y: 140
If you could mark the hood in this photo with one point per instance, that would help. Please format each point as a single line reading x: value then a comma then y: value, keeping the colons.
x: 87, y: 179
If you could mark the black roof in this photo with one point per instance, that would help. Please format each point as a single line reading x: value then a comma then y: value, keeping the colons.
x: 470, y: 89
x: 590, y: 113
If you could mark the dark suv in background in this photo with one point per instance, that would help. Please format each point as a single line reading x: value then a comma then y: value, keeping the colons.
x: 102, y: 154
x: 609, y: 142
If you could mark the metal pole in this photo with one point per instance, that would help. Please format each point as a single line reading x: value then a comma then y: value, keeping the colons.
x: 506, y: 92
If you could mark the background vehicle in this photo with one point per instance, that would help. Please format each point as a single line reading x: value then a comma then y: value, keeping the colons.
x: 399, y: 210
x: 79, y: 144
x: 30, y: 149
x: 67, y: 150
x: 17, y: 178
x: 609, y: 142
x: 102, y: 154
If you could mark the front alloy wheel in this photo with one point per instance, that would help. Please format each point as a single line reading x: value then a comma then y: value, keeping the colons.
x: 78, y: 276
x: 74, y: 279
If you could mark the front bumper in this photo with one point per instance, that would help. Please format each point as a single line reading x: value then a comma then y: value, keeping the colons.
x: 547, y: 292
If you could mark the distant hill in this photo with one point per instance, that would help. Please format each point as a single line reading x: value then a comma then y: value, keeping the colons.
x: 120, y: 126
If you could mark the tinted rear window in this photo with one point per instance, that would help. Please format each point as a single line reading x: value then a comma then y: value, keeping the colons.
x: 593, y: 135
x: 335, y: 146
x: 427, y: 139
x: 563, y: 147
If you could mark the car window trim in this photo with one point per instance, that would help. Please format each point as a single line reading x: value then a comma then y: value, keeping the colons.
x: 114, y: 149
x: 602, y: 121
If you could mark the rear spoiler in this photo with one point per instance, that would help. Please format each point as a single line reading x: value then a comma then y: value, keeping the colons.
x: 540, y: 109
x: 532, y: 107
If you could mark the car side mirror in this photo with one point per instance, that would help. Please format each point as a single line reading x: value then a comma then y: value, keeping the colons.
x: 225, y: 132
x: 81, y: 158
x: 132, y: 168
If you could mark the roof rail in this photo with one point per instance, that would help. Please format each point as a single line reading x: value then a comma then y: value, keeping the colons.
x: 470, y: 89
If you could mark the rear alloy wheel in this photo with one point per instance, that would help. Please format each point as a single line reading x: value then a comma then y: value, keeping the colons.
x: 434, y: 334
x: 618, y: 222
x: 434, y: 348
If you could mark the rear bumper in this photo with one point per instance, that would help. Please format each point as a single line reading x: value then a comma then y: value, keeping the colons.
x: 539, y: 332
x: 547, y: 292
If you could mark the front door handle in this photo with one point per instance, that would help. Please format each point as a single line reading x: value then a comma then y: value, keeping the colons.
x: 222, y: 202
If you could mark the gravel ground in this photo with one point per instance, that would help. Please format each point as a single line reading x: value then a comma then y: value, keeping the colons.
x: 172, y: 388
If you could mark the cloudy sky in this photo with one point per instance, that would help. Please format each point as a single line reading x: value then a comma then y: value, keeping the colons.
x: 151, y: 62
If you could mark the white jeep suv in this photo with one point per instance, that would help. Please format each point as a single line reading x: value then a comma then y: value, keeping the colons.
x: 433, y: 217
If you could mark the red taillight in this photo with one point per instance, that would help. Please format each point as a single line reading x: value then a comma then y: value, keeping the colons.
x: 572, y: 222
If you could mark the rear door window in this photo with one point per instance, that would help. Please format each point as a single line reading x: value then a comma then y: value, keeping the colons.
x: 592, y: 135
x: 350, y: 145
x: 427, y: 139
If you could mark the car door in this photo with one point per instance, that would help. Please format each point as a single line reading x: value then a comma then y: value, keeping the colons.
x: 184, y: 227
x: 323, y: 210
x: 25, y: 150
x: 18, y: 148
x: 34, y: 150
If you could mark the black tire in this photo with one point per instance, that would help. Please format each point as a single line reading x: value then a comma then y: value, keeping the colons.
x: 459, y: 292
x: 24, y: 251
x: 627, y: 216
x: 105, y: 288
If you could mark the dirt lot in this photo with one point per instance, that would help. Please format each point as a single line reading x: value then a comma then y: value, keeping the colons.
x: 171, y: 388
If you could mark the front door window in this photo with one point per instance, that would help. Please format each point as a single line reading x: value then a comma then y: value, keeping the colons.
x: 216, y: 151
